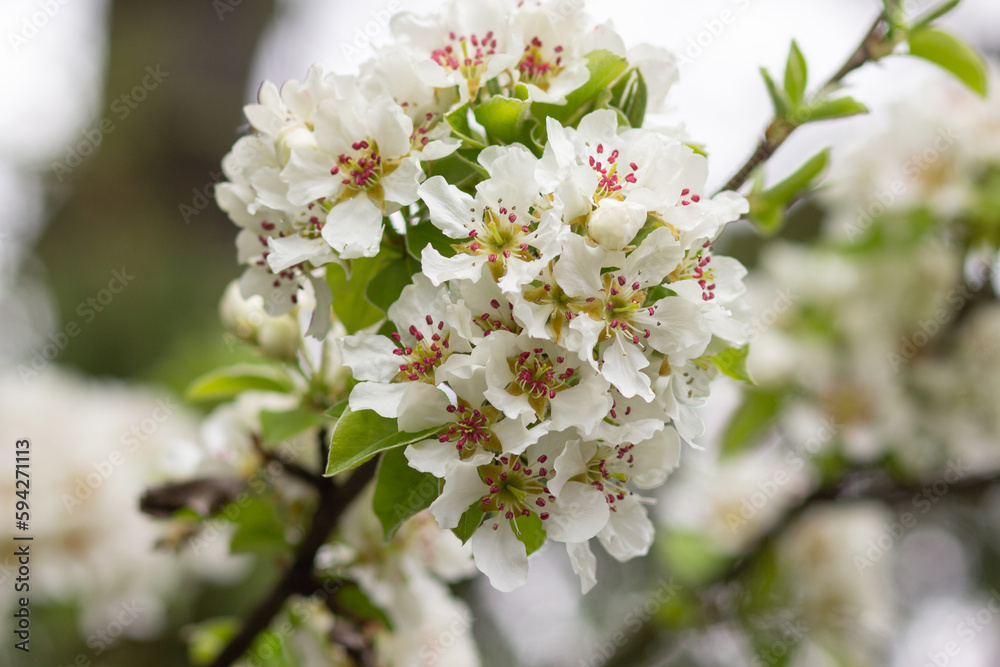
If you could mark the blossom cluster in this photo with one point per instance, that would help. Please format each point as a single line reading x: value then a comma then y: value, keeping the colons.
x: 563, y: 323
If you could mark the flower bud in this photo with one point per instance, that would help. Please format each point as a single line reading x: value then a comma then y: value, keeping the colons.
x: 241, y: 317
x: 278, y: 337
x: 615, y: 223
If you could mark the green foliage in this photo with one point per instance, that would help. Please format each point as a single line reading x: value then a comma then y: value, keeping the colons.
x: 531, y: 531
x: 468, y: 523
x: 504, y: 119
x: 350, y: 298
x: 207, y: 639
x: 401, y: 491
x: 280, y: 426
x: 779, y: 98
x: 418, y: 236
x: 358, y: 436
x: 842, y: 107
x: 951, y: 54
x: 768, y: 207
x: 259, y: 529
x: 458, y: 120
x: 630, y: 96
x: 350, y: 597
x: 751, y: 420
x: 397, y: 272
x: 605, y: 67
x: 225, y: 383
x: 691, y: 556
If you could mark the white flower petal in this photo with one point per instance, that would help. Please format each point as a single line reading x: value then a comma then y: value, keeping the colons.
x: 354, y: 227
x: 629, y: 533
x: 462, y: 488
x: 584, y: 564
x: 500, y: 555
x: 578, y: 513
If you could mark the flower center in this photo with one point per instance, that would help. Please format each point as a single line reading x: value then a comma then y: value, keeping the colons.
x: 538, y: 376
x: 422, y: 358
x: 607, y: 471
x: 499, y: 236
x: 696, y: 267
x: 611, y: 177
x: 361, y: 170
x: 467, y: 54
x: 535, y: 68
x: 498, y: 319
x: 516, y: 490
x: 621, y: 302
x: 471, y: 429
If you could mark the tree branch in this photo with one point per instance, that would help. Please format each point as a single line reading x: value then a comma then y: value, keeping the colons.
x: 299, y: 579
x: 779, y: 129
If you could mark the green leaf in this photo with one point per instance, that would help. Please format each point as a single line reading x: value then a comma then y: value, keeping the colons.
x: 791, y: 187
x: 385, y: 288
x: 458, y: 120
x: 358, y: 436
x: 779, y: 99
x: 841, y: 107
x: 604, y: 67
x: 733, y: 362
x: 951, y: 54
x: 504, y: 119
x: 630, y: 96
x: 935, y: 14
x: 280, y: 426
x: 401, y: 491
x: 259, y: 529
x: 418, y: 236
x: 225, y: 383
x: 336, y: 410
x: 351, y: 597
x: 750, y: 420
x: 531, y: 532
x: 468, y: 523
x: 796, y: 74
x: 691, y: 556
x: 350, y: 300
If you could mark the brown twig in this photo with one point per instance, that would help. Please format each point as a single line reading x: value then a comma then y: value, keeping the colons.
x: 299, y: 579
x: 779, y: 129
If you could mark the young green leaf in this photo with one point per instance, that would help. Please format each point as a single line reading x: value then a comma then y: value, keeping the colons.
x: 223, y: 383
x: 358, y: 436
x: 790, y: 188
x: 841, y: 107
x: 951, y: 54
x: 401, y: 491
x: 733, y: 362
x: 504, y: 119
x: 531, y: 532
x: 280, y: 426
x: 350, y: 300
x: 796, y: 74
x: 468, y: 523
x: 779, y: 99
